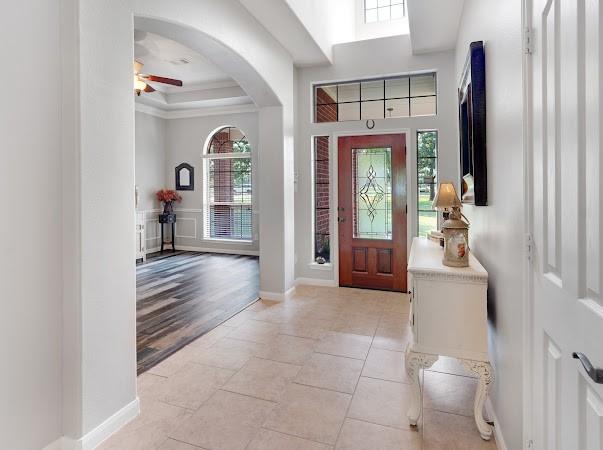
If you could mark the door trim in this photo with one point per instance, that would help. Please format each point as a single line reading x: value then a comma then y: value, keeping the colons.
x: 528, y: 354
x: 411, y: 188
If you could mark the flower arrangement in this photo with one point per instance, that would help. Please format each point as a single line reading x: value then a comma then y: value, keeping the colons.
x: 168, y: 196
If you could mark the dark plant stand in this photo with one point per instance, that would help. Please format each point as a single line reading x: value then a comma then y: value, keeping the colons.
x: 165, y: 219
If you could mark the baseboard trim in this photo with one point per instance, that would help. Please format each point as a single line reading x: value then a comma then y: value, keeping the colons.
x: 189, y: 248
x: 277, y: 296
x: 498, y: 434
x: 56, y: 445
x: 315, y: 282
x: 102, y: 432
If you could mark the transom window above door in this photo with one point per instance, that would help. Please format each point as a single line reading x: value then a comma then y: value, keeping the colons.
x: 382, y: 98
x: 229, y: 193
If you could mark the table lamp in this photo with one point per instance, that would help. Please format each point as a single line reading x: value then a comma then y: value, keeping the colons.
x: 455, y: 230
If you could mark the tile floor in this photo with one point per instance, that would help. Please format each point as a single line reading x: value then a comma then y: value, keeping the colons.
x: 323, y: 370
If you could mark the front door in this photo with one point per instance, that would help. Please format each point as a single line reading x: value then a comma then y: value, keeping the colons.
x: 372, y: 212
x: 567, y: 266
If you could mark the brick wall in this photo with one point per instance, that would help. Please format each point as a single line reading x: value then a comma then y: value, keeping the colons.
x: 326, y: 107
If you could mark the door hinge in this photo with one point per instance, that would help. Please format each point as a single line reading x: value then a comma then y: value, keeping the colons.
x: 527, y: 41
x: 529, y: 243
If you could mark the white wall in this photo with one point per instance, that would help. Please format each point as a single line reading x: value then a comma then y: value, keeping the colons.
x: 30, y: 267
x: 496, y: 233
x: 150, y: 159
x: 365, y: 59
x: 185, y: 141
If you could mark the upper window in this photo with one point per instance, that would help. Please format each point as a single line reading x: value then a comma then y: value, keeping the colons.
x: 384, y: 10
x: 228, y: 211
x: 382, y: 98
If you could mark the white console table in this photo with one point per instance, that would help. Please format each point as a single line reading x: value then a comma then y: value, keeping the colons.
x: 448, y: 317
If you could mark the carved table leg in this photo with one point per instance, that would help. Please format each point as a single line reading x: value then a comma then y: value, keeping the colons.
x: 485, y: 377
x: 414, y: 363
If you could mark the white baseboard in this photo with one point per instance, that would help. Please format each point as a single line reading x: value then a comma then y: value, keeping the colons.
x: 102, y: 432
x: 277, y: 296
x: 498, y: 434
x: 315, y: 282
x: 189, y: 248
x: 56, y: 445
x: 218, y: 250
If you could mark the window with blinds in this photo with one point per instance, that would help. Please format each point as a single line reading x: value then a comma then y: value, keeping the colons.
x: 228, y: 212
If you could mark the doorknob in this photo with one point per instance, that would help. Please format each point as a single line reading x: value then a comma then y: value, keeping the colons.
x: 341, y: 219
x: 595, y: 374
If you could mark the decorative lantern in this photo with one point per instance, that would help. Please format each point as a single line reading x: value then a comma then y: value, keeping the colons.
x: 455, y: 230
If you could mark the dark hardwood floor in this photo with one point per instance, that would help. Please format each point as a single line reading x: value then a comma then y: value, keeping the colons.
x: 182, y: 295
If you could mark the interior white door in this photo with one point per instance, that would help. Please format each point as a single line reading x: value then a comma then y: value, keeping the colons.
x: 568, y: 247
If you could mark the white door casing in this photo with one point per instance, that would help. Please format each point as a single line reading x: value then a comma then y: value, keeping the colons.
x: 567, y: 190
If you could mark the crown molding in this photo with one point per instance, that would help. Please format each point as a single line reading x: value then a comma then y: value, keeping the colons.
x: 199, y: 112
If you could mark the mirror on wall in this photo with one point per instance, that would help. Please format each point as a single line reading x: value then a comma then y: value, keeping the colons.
x: 185, y: 177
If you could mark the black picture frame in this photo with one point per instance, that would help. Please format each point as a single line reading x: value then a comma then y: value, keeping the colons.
x: 179, y: 185
x: 472, y: 128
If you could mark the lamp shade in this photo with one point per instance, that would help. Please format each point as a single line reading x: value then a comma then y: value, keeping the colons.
x: 446, y: 197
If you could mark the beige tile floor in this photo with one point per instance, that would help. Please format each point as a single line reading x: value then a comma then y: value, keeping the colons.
x: 322, y: 370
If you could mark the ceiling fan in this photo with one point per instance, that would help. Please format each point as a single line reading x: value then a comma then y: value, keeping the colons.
x: 140, y: 80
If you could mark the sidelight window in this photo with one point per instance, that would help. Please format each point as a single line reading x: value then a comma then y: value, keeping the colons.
x: 427, y: 171
x: 322, y: 234
x: 228, y: 170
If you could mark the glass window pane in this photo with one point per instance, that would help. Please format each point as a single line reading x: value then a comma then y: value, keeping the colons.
x: 426, y: 169
x: 325, y: 94
x: 326, y: 113
x: 369, y: 4
x: 372, y: 110
x: 349, y: 111
x: 428, y: 221
x: 371, y: 16
x: 397, y: 108
x: 321, y: 200
x: 372, y: 90
x: 383, y: 14
x: 396, y: 88
x: 372, y: 193
x: 426, y: 195
x: 397, y: 12
x: 422, y: 85
x: 423, y: 106
x: 427, y: 143
x: 383, y: 2
x: 348, y: 92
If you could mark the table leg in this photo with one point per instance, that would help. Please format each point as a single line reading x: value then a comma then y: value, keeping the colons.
x: 173, y: 237
x: 414, y: 362
x: 483, y: 370
x: 161, y: 238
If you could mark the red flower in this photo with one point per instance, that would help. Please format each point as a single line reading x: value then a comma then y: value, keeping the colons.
x: 167, y: 195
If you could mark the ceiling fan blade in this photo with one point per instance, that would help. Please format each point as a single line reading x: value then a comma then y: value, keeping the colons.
x: 163, y: 80
x: 149, y: 88
x: 137, y: 66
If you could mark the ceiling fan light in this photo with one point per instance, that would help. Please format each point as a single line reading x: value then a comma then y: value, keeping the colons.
x: 139, y: 85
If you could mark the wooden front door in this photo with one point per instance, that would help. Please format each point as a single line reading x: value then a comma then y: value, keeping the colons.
x: 372, y: 212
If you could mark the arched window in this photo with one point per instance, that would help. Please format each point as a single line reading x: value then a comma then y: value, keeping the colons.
x: 228, y: 211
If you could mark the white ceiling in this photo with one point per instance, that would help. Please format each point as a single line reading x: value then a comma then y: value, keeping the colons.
x: 205, y: 85
x: 167, y: 58
x: 434, y: 24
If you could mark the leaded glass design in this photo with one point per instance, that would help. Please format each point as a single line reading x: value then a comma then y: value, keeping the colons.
x: 372, y: 193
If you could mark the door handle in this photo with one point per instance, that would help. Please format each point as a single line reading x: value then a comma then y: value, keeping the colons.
x: 595, y: 374
x: 341, y: 219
